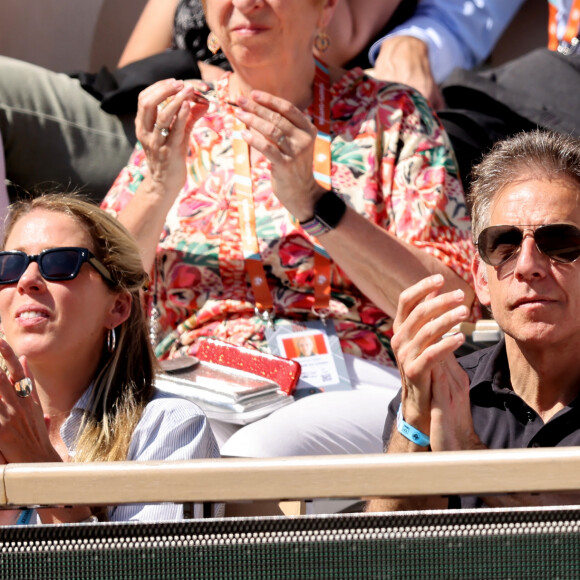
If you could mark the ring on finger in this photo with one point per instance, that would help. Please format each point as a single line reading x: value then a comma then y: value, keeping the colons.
x: 23, y: 387
x: 281, y: 140
x: 163, y: 130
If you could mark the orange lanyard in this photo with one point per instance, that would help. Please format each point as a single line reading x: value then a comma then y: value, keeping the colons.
x: 244, y: 193
x: 570, y: 38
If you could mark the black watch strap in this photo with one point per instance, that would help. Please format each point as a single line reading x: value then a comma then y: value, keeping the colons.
x: 328, y: 211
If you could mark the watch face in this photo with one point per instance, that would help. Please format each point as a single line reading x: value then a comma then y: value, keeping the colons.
x: 328, y: 212
x: 329, y: 209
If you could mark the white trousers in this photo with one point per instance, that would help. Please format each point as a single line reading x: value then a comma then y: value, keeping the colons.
x: 337, y: 422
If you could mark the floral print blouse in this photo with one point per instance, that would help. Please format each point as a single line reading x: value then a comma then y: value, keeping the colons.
x: 391, y: 162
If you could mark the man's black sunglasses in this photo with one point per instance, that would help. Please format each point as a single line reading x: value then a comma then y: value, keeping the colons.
x: 54, y: 264
x: 560, y: 242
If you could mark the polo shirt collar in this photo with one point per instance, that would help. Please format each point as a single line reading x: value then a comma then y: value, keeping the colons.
x: 493, y: 369
x: 493, y: 372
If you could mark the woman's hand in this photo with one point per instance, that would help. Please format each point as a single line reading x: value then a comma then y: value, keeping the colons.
x: 23, y: 434
x: 166, y: 114
x: 283, y: 134
x: 435, y: 391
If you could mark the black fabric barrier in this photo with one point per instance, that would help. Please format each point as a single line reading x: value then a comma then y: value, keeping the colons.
x: 482, y: 544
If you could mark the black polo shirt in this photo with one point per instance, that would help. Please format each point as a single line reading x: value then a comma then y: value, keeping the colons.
x: 501, y: 419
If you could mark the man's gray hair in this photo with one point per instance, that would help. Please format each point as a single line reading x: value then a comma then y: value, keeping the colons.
x: 529, y: 155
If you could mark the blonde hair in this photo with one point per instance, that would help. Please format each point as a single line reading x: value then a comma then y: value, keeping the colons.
x: 124, y: 381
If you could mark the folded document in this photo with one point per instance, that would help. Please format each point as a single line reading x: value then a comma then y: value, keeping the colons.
x: 224, y: 393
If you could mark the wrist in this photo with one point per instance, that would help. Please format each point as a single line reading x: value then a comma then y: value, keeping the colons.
x: 400, y: 49
x: 155, y: 193
x: 403, y: 45
x: 303, y: 209
x: 328, y: 211
x: 410, y: 432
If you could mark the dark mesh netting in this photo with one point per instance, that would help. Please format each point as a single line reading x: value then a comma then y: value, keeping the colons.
x: 482, y: 544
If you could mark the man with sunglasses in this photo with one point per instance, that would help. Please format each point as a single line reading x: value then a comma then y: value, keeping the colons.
x: 524, y: 391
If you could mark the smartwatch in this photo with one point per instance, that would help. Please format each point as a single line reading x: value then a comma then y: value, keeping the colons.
x: 328, y: 211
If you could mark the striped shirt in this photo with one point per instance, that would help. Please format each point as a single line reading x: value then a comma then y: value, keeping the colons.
x: 170, y: 429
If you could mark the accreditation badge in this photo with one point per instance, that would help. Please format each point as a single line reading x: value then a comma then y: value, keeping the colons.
x: 316, y: 346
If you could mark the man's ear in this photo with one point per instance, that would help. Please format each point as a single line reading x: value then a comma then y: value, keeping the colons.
x: 479, y: 273
x: 120, y: 309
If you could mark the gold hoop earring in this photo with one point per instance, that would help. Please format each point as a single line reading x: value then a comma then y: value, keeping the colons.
x: 321, y: 41
x: 213, y: 43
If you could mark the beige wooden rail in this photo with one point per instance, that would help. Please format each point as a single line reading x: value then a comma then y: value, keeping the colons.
x: 347, y: 476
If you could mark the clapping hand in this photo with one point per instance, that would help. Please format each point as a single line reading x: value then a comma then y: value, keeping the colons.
x: 166, y: 114
x: 23, y: 430
x: 435, y: 389
x: 282, y: 133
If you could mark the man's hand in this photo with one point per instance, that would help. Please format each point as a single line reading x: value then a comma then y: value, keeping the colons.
x: 405, y: 59
x: 435, y: 389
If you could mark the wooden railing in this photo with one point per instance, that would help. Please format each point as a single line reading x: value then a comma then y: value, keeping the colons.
x: 292, y: 478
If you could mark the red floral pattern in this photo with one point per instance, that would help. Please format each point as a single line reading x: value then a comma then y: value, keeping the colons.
x: 391, y: 161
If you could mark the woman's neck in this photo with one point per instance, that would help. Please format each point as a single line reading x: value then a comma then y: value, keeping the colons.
x: 292, y: 83
x: 60, y: 387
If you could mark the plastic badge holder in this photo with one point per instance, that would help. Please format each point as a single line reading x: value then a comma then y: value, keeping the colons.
x: 285, y: 372
x: 224, y: 393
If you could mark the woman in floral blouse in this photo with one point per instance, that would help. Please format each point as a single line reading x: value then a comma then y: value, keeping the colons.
x: 181, y: 194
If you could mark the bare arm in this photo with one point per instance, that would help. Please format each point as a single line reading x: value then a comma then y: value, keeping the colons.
x: 152, y: 33
x: 379, y: 263
x: 435, y: 392
x: 399, y: 444
x: 368, y: 254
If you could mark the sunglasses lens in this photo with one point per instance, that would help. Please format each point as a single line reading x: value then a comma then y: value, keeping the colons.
x: 12, y: 266
x: 60, y: 264
x: 497, y: 244
x: 560, y: 241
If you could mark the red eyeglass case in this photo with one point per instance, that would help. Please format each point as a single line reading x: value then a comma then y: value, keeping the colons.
x: 285, y: 372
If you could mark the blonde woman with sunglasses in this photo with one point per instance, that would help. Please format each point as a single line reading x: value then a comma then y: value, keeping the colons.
x: 79, y: 373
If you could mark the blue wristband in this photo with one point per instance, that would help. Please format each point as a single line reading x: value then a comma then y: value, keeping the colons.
x: 408, y: 431
x: 24, y: 517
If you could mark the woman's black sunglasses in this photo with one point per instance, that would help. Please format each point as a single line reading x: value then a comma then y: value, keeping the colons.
x: 54, y: 264
x: 560, y: 242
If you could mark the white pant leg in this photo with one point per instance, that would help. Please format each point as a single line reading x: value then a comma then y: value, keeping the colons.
x: 222, y: 431
x: 328, y: 423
